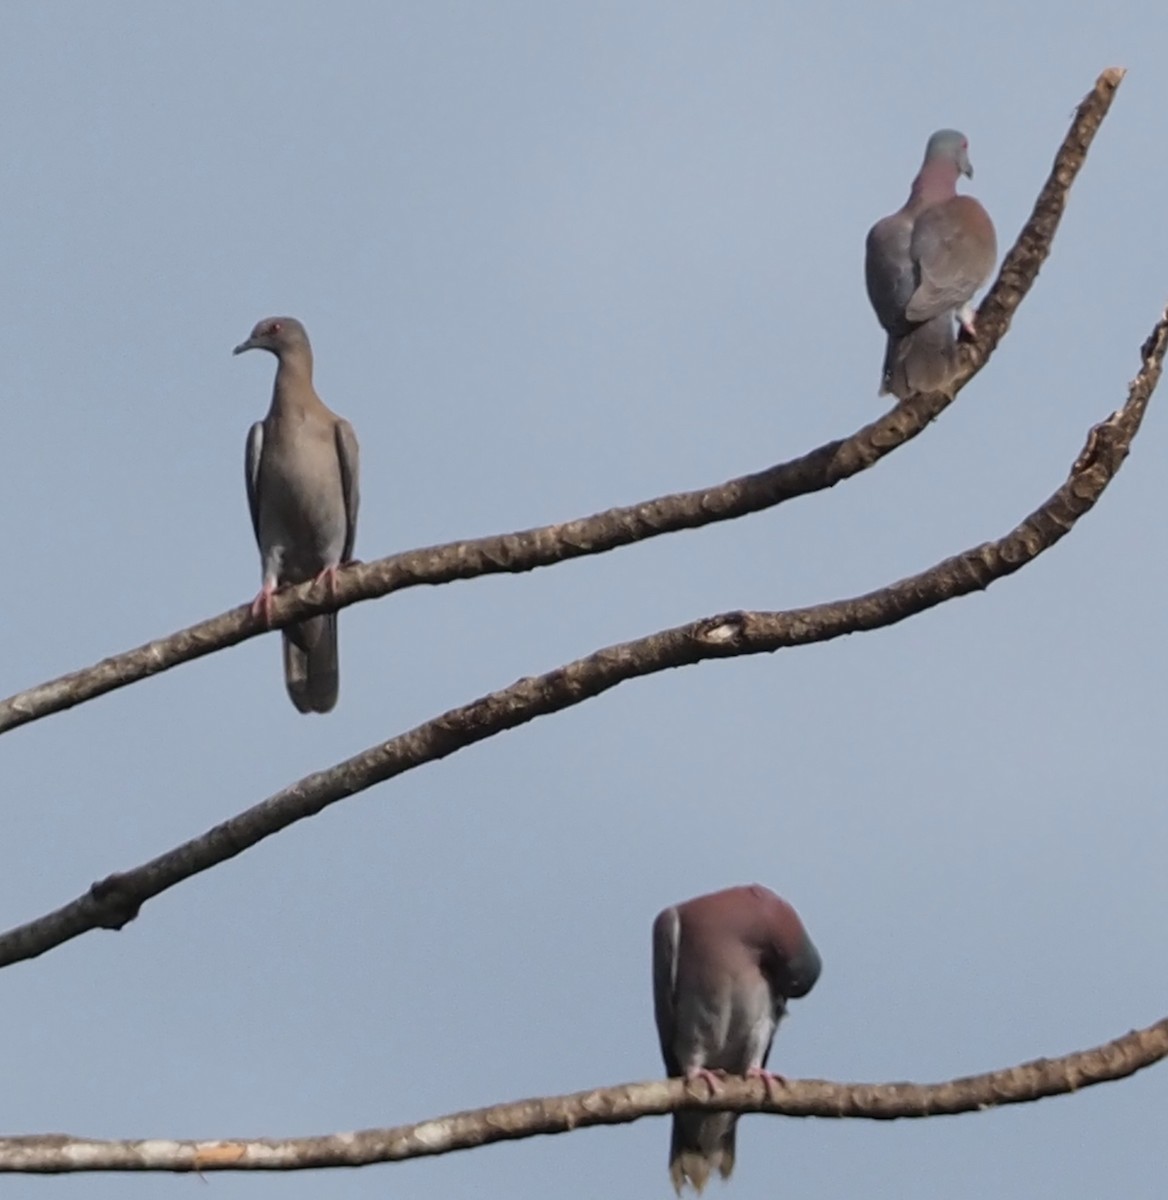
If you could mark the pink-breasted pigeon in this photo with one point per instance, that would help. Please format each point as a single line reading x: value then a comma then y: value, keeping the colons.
x: 724, y: 967
x: 923, y: 265
x: 301, y: 474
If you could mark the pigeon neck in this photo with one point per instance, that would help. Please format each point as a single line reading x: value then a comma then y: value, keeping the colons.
x: 937, y: 181
x: 293, y: 374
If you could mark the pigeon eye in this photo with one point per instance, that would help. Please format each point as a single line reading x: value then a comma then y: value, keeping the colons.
x: 274, y: 327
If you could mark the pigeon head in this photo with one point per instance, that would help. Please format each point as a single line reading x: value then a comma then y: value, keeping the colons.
x: 280, y: 335
x: 791, y: 963
x: 950, y: 146
x: 801, y: 970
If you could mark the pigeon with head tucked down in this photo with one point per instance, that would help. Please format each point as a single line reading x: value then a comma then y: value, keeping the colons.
x: 923, y: 265
x: 724, y: 967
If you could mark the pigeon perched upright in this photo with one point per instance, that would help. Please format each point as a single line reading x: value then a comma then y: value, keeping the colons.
x: 301, y: 467
x: 924, y: 264
x: 724, y: 967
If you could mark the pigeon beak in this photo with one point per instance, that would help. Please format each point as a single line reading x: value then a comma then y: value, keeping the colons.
x: 248, y: 345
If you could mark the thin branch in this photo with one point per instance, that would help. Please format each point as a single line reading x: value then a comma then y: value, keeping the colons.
x: 1023, y: 1084
x: 550, y: 544
x: 114, y: 901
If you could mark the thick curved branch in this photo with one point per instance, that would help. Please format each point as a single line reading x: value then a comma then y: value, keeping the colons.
x: 114, y: 901
x: 55, y: 1153
x: 550, y: 544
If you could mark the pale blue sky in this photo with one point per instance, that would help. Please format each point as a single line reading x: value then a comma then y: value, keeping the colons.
x: 554, y: 258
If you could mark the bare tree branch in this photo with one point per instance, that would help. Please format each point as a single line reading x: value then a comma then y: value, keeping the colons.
x: 56, y: 1153
x: 550, y: 544
x: 114, y: 901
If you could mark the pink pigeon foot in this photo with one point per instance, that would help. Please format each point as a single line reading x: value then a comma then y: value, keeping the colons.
x: 329, y: 575
x: 261, y: 606
x: 771, y: 1080
x: 711, y: 1077
x: 966, y: 319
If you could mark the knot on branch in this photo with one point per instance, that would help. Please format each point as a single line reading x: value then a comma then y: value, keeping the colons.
x: 724, y: 631
x: 117, y: 901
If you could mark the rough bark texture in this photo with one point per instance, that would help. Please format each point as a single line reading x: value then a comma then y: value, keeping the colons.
x: 549, y: 544
x: 55, y: 1153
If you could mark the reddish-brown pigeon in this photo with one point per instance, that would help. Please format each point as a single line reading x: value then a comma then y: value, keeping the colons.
x: 302, y: 462
x: 724, y: 967
x: 923, y: 266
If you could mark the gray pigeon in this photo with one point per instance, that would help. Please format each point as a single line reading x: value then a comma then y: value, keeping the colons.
x: 724, y: 967
x: 924, y: 264
x: 302, y: 462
